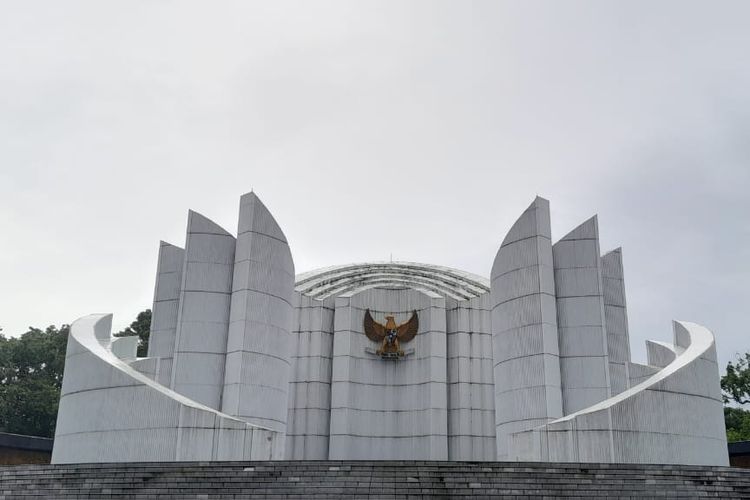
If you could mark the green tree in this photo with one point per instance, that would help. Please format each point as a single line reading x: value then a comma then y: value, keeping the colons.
x: 140, y: 327
x: 31, y: 370
x: 736, y: 386
x: 31, y: 373
x: 737, y: 421
x: 736, y: 382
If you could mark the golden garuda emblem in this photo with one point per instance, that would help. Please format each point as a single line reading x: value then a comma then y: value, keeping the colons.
x: 391, y: 335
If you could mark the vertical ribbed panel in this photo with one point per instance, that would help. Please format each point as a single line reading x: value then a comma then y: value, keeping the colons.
x: 256, y: 381
x: 616, y: 320
x: 203, y: 320
x: 524, y: 328
x: 471, y: 397
x: 660, y: 354
x: 638, y: 373
x: 389, y: 409
x: 309, y: 413
x: 584, y: 363
x: 164, y: 309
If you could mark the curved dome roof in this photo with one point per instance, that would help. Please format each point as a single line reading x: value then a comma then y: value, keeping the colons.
x: 336, y: 280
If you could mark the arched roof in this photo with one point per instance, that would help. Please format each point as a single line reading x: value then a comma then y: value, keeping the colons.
x: 337, y: 280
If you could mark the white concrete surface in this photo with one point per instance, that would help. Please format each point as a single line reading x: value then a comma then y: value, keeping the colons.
x: 471, y: 397
x: 533, y: 364
x: 524, y: 328
x: 674, y: 416
x: 337, y: 280
x: 256, y: 377
x: 584, y: 360
x: 308, y: 423
x: 203, y: 317
x: 109, y: 412
x: 165, y: 309
x: 616, y: 320
x: 389, y: 409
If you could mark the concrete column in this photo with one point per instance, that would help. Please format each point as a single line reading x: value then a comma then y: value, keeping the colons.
x: 256, y: 382
x: 471, y: 388
x: 584, y: 361
x: 201, y: 340
x: 310, y: 384
x: 616, y: 320
x: 164, y: 309
x: 524, y: 328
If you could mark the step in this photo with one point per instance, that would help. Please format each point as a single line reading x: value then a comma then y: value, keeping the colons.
x: 372, y: 479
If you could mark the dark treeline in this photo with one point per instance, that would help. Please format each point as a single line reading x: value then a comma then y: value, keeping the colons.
x: 31, y: 372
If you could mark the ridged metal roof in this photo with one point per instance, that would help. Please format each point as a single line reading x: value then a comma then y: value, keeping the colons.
x: 337, y: 280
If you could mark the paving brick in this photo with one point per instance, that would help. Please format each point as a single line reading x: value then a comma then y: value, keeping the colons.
x: 398, y: 479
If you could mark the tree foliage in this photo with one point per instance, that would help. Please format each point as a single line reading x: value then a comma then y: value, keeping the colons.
x: 31, y: 370
x: 736, y: 382
x: 737, y: 421
x: 141, y: 327
x: 736, y: 386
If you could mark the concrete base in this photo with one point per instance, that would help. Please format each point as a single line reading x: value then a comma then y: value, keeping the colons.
x: 401, y: 479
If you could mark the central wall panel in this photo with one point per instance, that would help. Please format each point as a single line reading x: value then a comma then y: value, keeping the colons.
x: 389, y: 409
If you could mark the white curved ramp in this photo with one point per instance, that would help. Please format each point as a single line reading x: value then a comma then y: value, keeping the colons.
x: 109, y: 412
x: 674, y: 416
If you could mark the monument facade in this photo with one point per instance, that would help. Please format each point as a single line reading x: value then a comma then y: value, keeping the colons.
x: 391, y: 360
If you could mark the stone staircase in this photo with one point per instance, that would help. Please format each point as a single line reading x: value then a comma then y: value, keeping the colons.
x: 390, y: 479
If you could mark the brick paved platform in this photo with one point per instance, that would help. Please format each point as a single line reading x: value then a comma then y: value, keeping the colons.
x: 397, y: 480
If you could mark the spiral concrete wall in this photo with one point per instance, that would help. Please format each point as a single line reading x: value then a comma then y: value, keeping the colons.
x: 109, y: 412
x: 674, y: 416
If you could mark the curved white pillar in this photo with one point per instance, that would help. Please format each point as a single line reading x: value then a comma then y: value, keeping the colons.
x: 584, y: 363
x: 203, y: 319
x: 256, y: 379
x: 165, y: 309
x: 524, y: 328
x: 616, y: 320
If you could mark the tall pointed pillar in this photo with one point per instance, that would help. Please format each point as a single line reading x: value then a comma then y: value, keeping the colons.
x: 616, y: 320
x: 257, y: 374
x: 584, y: 360
x: 524, y: 328
x: 164, y: 309
x: 200, y: 345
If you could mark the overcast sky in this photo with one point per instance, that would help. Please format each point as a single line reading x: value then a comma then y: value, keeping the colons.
x: 417, y: 129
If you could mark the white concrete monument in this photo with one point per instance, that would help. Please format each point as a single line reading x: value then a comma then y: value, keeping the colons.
x: 389, y: 360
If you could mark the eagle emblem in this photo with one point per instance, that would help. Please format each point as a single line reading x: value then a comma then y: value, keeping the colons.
x: 391, y: 335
